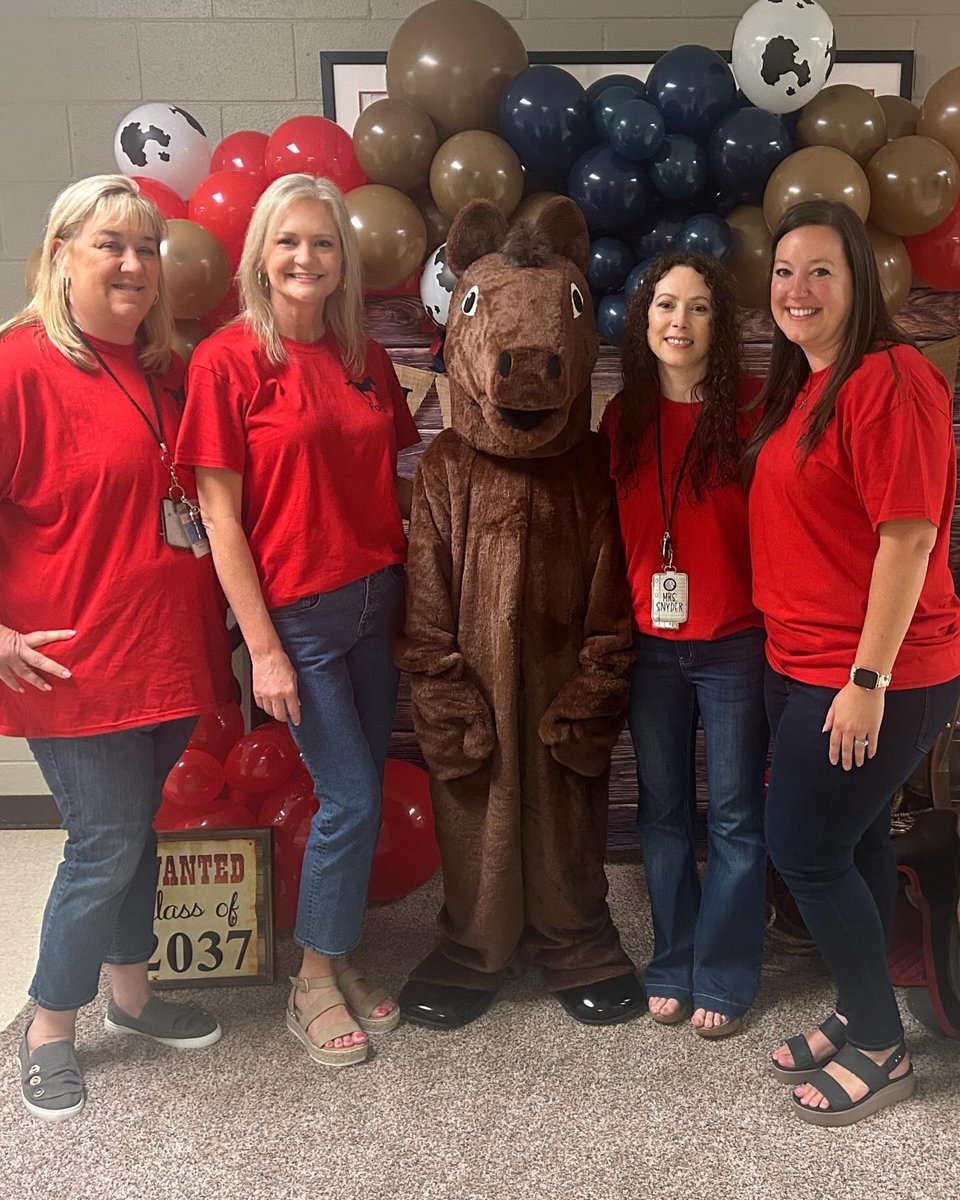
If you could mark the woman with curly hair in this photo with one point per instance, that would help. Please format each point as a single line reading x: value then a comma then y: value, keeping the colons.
x: 676, y: 431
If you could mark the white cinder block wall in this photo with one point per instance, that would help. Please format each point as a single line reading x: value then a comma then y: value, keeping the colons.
x: 70, y: 69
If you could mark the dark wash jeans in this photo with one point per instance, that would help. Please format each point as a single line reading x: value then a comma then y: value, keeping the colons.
x: 828, y: 834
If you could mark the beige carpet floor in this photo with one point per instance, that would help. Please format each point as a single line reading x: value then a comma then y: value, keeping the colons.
x: 523, y: 1103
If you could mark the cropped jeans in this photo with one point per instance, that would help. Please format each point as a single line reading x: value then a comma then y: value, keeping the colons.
x: 828, y: 832
x: 708, y: 941
x: 340, y: 645
x: 108, y: 788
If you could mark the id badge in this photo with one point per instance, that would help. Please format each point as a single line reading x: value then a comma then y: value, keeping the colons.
x: 669, y: 599
x: 181, y: 529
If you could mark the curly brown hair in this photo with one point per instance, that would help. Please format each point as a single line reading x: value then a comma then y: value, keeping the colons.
x: 715, y: 455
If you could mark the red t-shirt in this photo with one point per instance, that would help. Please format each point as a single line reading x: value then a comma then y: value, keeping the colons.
x: 888, y: 454
x: 710, y: 541
x: 80, y: 548
x: 317, y: 449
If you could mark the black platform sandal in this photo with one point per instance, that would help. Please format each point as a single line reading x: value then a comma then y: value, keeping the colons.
x: 883, y: 1092
x: 804, y: 1064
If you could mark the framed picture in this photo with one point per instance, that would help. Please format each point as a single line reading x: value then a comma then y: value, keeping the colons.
x: 213, y: 917
x: 351, y: 80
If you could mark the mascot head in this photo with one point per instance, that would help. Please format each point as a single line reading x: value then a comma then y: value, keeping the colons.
x: 521, y: 337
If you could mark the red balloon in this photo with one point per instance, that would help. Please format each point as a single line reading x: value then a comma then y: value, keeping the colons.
x: 224, y: 312
x: 196, y: 778
x: 288, y: 804
x: 217, y: 731
x: 407, y: 854
x: 166, y: 816
x: 260, y: 762
x: 223, y: 203
x: 242, y: 151
x: 286, y: 894
x: 165, y: 198
x: 314, y: 146
x: 227, y: 816
x: 289, y: 844
x: 935, y: 255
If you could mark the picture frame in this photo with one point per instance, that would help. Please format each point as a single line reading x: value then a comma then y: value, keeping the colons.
x: 213, y: 915
x: 351, y: 80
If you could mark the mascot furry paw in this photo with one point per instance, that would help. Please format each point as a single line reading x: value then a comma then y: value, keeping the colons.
x: 518, y: 631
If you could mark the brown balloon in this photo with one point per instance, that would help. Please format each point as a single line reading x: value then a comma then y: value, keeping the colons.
x: 391, y: 234
x: 815, y: 173
x: 453, y: 58
x: 475, y: 165
x: 940, y: 112
x: 195, y: 269
x: 395, y: 142
x: 30, y: 270
x: 914, y: 184
x: 530, y: 207
x: 437, y: 224
x: 187, y: 335
x: 752, y: 256
x: 893, y: 266
x: 846, y: 117
x: 901, y: 116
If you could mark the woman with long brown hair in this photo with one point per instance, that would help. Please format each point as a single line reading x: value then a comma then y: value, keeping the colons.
x: 677, y: 430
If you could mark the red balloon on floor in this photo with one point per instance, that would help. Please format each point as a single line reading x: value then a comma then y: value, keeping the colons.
x: 407, y: 854
x: 314, y: 146
x: 196, y: 778
x: 260, y: 762
x: 216, y: 732
x: 935, y: 255
x: 226, y: 816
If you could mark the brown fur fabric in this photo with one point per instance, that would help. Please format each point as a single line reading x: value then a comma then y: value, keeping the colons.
x: 518, y: 628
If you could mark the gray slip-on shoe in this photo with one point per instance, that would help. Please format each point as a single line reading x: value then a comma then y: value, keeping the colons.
x: 51, y: 1085
x: 183, y: 1026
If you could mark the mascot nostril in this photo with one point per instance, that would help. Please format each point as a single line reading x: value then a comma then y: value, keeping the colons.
x: 504, y: 363
x: 525, y: 418
x: 554, y: 366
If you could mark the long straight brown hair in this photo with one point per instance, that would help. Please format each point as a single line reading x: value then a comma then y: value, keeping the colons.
x: 868, y: 328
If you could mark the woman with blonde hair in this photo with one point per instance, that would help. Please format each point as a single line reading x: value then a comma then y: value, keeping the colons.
x: 293, y: 422
x: 90, y: 401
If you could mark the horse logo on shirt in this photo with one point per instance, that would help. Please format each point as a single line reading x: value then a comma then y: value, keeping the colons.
x: 368, y: 390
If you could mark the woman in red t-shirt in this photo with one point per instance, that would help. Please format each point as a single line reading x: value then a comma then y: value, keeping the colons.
x: 293, y: 423
x: 677, y: 430
x: 854, y: 480
x: 112, y: 640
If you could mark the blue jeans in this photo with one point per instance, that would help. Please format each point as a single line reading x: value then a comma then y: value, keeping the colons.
x: 829, y: 836
x: 107, y: 787
x: 340, y: 644
x: 708, y: 944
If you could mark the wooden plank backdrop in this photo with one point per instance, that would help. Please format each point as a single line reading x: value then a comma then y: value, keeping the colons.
x: 932, y: 318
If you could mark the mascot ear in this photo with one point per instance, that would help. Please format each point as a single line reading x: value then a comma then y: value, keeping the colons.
x: 479, y: 228
x: 565, y: 226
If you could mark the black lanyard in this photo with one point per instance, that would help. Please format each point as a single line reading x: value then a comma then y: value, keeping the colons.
x: 666, y: 542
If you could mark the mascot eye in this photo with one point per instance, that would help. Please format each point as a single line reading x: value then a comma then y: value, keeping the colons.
x: 576, y: 298
x: 468, y: 305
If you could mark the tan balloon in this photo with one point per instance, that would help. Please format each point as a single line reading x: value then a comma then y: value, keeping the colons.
x: 391, y: 234
x: 752, y: 255
x: 453, y: 58
x: 940, y: 112
x: 30, y: 269
x: 475, y: 165
x: 815, y: 173
x: 901, y: 116
x: 395, y: 142
x: 187, y: 335
x: 437, y: 224
x: 893, y: 266
x: 195, y: 269
x: 914, y: 184
x: 846, y: 117
x: 530, y: 207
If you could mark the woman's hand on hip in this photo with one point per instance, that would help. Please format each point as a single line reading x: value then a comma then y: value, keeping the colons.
x: 20, y: 659
x: 275, y: 686
x: 853, y: 723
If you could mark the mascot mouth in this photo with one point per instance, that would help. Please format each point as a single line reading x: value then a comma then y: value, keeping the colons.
x: 524, y: 418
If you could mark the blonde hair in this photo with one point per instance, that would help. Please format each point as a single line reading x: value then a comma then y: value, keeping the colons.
x: 343, y: 310
x: 106, y: 197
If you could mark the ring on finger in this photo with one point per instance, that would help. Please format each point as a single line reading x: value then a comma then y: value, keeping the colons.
x: 864, y: 741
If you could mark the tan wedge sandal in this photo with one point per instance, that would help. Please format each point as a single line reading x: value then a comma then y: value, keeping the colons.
x: 299, y: 1022
x: 363, y: 999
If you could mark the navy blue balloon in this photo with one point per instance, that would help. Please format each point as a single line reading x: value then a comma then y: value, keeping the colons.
x: 693, y: 87
x: 545, y: 116
x: 612, y: 192
x: 636, y: 130
x: 612, y: 319
x: 610, y: 262
x: 606, y: 104
x: 658, y: 239
x: 679, y: 168
x: 744, y: 148
x: 706, y: 233
x: 635, y: 277
x: 609, y: 81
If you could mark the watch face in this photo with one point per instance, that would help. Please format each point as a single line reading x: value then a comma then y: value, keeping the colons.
x: 865, y: 679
